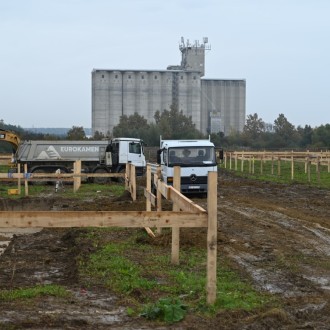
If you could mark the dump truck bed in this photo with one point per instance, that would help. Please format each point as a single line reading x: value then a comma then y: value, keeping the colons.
x: 59, y: 150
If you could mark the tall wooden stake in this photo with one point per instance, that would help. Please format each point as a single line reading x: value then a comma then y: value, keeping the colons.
x: 176, y: 230
x: 212, y: 229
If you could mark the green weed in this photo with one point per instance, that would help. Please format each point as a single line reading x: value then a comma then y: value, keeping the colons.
x: 127, y: 267
x: 29, y: 293
x: 169, y: 310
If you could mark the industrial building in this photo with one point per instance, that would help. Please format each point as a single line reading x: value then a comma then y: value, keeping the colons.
x: 215, y: 105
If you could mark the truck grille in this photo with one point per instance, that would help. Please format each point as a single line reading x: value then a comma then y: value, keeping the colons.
x: 194, y: 180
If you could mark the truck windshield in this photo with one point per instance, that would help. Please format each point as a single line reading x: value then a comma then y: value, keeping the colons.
x: 191, y: 156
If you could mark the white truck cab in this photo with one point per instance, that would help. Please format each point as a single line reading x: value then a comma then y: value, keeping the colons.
x: 121, y: 151
x: 195, y: 157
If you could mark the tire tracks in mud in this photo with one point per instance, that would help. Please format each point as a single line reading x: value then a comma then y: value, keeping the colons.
x: 282, y: 254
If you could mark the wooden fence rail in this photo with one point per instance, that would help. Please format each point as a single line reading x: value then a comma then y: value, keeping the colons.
x: 318, y: 159
x: 5, y: 159
x: 75, y: 177
x: 185, y: 214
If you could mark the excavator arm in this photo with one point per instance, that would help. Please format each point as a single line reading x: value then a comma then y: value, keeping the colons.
x: 10, y: 137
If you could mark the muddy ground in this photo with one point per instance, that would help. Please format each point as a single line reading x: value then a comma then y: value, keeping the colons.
x: 277, y: 236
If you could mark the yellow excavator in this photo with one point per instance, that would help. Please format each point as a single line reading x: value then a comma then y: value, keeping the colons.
x: 11, y: 138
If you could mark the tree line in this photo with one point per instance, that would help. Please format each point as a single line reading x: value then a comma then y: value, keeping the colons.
x: 281, y: 135
x: 172, y: 124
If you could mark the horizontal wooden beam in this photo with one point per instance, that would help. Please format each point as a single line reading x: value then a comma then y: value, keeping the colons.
x: 43, y: 219
x: 59, y: 176
x: 184, y: 203
x: 150, y: 197
x: 163, y: 188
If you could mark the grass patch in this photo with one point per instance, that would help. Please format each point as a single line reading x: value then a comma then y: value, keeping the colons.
x: 144, y: 275
x: 30, y: 293
x: 282, y: 172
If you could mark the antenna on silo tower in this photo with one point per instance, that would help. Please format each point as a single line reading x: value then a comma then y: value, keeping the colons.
x: 193, y: 55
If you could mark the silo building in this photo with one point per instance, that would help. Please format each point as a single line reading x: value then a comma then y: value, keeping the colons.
x: 215, y: 105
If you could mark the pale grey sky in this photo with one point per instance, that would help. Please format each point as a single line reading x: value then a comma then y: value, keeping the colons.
x: 49, y: 48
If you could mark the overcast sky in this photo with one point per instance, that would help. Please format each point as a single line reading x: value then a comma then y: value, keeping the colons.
x: 49, y: 48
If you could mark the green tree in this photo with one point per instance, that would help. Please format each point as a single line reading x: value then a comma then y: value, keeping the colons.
x: 321, y: 136
x: 219, y: 139
x: 76, y: 133
x: 253, y: 131
x: 285, y: 133
x: 254, y: 126
x: 98, y: 136
x: 305, y: 136
x: 133, y: 126
x: 173, y: 124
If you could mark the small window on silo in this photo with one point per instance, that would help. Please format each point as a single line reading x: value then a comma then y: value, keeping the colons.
x: 181, y: 77
x: 155, y: 77
x: 103, y: 76
x: 194, y: 77
x: 129, y: 76
x: 142, y: 77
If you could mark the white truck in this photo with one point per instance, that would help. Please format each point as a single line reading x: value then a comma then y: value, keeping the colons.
x: 195, y: 157
x: 96, y: 156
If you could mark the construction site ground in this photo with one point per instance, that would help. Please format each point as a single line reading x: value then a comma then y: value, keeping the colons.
x: 277, y: 237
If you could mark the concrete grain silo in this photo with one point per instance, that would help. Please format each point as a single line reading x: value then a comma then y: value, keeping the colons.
x: 213, y: 104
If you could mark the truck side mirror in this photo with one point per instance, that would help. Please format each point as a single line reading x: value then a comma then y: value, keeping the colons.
x: 159, y: 151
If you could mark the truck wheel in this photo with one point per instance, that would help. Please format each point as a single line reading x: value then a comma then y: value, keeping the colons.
x: 42, y: 181
x: 100, y: 180
x: 45, y: 170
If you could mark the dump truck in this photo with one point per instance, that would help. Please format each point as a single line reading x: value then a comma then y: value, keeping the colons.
x: 43, y: 156
x: 195, y: 157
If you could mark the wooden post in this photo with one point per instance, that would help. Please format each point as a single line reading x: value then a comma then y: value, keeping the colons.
x: 26, y: 184
x: 133, y: 182
x: 318, y: 168
x: 236, y: 161
x: 77, y: 178
x: 212, y: 232
x: 261, y: 164
x: 19, y: 179
x: 148, y: 186
x: 242, y: 163
x: 159, y: 199
x: 148, y: 202
x: 279, y: 166
x: 127, y: 176
x: 253, y: 165
x: 272, y: 164
x: 176, y: 230
x: 306, y: 161
x: 230, y: 161
x: 292, y: 168
x: 309, y: 170
x: 225, y: 156
x: 250, y: 165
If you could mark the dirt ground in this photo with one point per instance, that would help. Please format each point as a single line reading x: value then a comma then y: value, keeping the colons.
x: 277, y: 236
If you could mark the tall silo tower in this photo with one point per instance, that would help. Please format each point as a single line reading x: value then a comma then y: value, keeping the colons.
x: 193, y: 55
